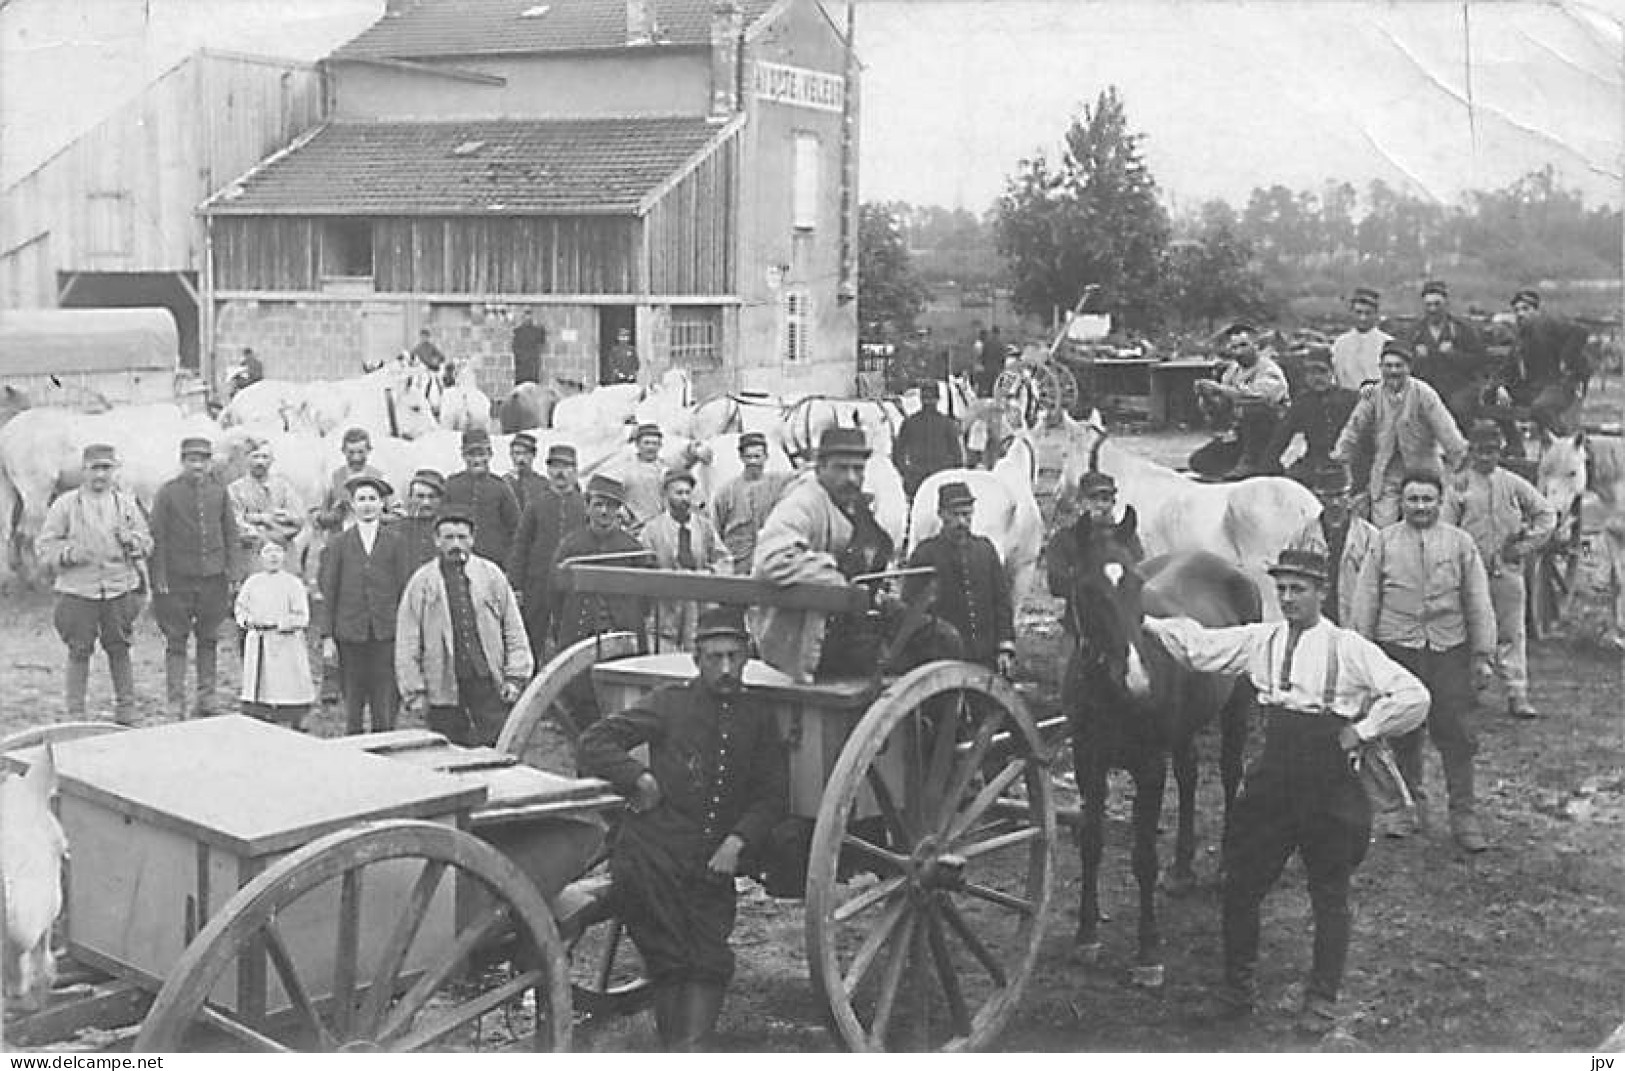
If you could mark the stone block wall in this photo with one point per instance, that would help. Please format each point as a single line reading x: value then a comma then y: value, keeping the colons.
x: 298, y: 340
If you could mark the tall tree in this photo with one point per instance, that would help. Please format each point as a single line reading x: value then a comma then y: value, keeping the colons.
x: 1211, y: 277
x: 890, y: 294
x: 1092, y: 217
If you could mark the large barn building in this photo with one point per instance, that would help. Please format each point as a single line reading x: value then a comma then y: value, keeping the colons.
x: 111, y: 219
x: 684, y: 170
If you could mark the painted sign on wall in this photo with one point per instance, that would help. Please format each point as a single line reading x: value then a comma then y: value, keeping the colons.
x: 798, y: 87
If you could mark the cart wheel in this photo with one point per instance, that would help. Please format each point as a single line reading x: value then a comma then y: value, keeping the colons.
x: 544, y: 726
x: 416, y: 993
x: 59, y: 733
x: 607, y: 975
x: 1067, y: 387
x: 1011, y: 385
x: 952, y: 763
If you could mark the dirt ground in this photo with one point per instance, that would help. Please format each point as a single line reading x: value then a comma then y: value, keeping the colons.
x: 1518, y: 949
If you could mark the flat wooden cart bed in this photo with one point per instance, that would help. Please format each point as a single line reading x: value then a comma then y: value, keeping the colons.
x: 243, y: 886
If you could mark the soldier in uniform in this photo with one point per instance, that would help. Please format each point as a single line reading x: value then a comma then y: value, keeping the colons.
x: 1318, y: 414
x: 424, y: 495
x: 1339, y: 533
x: 681, y: 538
x: 645, y: 477
x: 714, y: 785
x: 551, y: 515
x: 928, y: 442
x: 580, y: 616
x: 972, y: 590
x: 524, y: 481
x: 482, y: 495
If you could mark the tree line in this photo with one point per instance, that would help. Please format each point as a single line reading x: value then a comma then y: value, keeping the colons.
x: 1092, y: 214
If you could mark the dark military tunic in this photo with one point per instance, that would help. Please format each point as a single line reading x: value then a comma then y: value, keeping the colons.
x: 525, y: 487
x: 973, y: 593
x: 580, y: 616
x: 722, y: 770
x: 418, y: 535
x: 495, y: 511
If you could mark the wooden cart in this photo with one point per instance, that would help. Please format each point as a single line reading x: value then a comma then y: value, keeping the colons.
x: 233, y: 884
x: 928, y: 869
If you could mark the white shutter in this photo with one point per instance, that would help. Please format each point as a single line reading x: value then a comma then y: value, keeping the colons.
x: 805, y: 209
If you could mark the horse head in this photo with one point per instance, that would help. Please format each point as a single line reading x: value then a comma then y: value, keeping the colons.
x: 408, y: 414
x: 1094, y: 566
x: 1081, y: 454
x: 1564, y: 472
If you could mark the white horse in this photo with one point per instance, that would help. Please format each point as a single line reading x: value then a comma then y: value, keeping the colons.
x: 1247, y: 522
x: 739, y: 411
x: 613, y: 405
x: 1588, y: 474
x: 668, y: 403
x: 32, y: 847
x: 384, y: 401
x: 41, y: 454
x: 1006, y: 510
x: 805, y: 422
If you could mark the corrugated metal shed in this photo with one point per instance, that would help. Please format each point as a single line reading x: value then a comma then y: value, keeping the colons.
x: 491, y: 27
x: 596, y: 166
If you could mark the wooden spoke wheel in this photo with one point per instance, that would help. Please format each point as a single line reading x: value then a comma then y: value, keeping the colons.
x: 546, y: 721
x: 1066, y: 384
x: 414, y: 937
x: 943, y: 793
x: 607, y: 975
x: 1549, y: 581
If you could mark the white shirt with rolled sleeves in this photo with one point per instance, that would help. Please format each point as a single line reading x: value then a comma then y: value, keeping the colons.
x: 1392, y: 699
x: 1357, y: 357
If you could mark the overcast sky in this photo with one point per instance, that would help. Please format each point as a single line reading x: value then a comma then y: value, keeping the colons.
x: 955, y: 92
x: 1236, y: 95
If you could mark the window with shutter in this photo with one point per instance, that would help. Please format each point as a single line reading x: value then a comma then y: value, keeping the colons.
x: 797, y: 325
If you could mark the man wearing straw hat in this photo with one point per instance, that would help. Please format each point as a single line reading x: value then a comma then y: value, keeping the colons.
x: 1324, y: 693
x: 96, y: 540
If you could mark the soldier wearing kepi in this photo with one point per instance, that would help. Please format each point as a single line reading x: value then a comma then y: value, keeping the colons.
x: 715, y: 785
x: 524, y: 481
x: 743, y: 504
x: 96, y: 540
x: 579, y: 616
x: 1507, y: 519
x: 928, y: 441
x: 1342, y: 535
x: 1315, y: 683
x: 972, y: 590
x: 551, y: 515
x: 424, y: 495
x: 480, y: 494
x: 194, y: 531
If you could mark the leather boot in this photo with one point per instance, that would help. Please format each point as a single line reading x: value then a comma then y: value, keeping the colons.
x: 175, y: 683
x: 123, y: 674
x: 78, y: 684
x: 668, y: 1005
x: 206, y: 680
x: 702, y: 1004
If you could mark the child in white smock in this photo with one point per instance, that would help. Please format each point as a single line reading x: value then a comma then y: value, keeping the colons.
x: 274, y: 611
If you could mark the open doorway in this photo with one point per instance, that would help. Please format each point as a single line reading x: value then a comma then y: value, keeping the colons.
x: 617, y: 344
x: 127, y: 290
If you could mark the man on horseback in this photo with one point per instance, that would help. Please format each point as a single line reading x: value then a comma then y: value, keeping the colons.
x: 972, y: 590
x: 1246, y: 403
x: 1546, y: 369
x: 1324, y: 693
x: 928, y: 442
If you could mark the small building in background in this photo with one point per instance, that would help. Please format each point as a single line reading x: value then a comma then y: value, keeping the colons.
x: 680, y: 170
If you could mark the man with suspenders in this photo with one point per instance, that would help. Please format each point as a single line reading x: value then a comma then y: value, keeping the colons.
x: 1324, y: 693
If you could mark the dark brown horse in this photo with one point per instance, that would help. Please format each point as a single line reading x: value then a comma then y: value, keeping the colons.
x: 1130, y: 707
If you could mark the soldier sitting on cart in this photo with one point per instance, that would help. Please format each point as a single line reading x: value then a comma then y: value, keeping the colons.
x: 1246, y: 404
x: 714, y: 787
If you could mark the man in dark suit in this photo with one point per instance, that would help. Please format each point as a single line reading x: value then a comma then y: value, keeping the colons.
x: 528, y: 339
x: 363, y: 573
x: 1448, y: 354
x: 524, y: 481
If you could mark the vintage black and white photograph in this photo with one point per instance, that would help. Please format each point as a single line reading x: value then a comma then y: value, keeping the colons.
x: 732, y: 526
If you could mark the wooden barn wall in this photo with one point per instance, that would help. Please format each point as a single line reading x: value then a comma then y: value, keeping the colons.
x: 542, y: 255
x: 266, y: 253
x: 693, y: 229
x: 122, y: 197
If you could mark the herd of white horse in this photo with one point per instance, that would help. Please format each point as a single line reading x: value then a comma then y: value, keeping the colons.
x: 416, y: 422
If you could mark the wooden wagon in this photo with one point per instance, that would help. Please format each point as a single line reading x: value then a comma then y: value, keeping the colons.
x: 236, y: 885
x: 925, y: 798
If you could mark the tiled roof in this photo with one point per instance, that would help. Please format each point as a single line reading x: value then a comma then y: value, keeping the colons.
x: 486, y: 27
x: 455, y: 168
